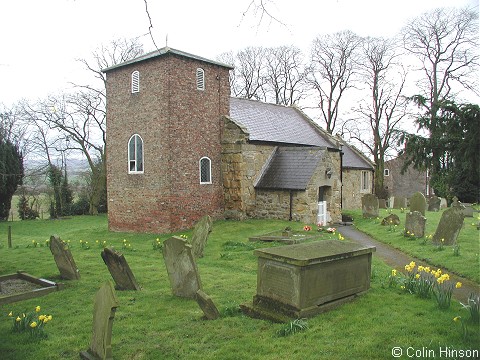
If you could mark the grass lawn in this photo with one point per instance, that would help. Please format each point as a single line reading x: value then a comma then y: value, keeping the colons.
x: 153, y: 324
x: 465, y: 263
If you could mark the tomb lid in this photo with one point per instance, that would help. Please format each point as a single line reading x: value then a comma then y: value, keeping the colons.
x: 314, y: 252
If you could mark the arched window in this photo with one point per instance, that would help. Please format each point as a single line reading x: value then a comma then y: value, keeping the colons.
x: 205, y: 166
x: 200, y: 79
x: 135, y: 155
x: 135, y: 82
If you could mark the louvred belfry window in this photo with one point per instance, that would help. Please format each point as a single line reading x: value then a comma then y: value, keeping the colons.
x: 135, y: 82
x: 200, y: 79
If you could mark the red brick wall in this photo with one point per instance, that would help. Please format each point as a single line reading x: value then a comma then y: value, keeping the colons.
x: 179, y: 124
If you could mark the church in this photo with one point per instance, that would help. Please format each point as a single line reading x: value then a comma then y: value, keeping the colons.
x: 180, y: 147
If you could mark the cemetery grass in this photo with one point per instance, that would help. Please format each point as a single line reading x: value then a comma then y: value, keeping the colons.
x: 463, y: 260
x: 153, y: 324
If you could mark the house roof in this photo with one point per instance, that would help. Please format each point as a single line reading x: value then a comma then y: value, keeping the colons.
x: 290, y: 168
x: 277, y: 123
x: 354, y: 158
x: 162, y: 52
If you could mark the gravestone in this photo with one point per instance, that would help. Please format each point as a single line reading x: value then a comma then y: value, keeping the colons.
x: 119, y: 269
x: 200, y: 235
x: 382, y: 203
x: 104, y: 308
x: 434, y: 203
x: 206, y: 304
x: 63, y: 258
x: 468, y: 211
x: 399, y: 202
x: 415, y: 224
x: 369, y: 206
x: 449, y: 226
x: 391, y: 200
x: 443, y: 203
x: 391, y: 219
x: 418, y: 203
x: 181, y: 267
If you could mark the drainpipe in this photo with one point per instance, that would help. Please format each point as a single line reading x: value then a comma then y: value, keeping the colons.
x: 341, y: 177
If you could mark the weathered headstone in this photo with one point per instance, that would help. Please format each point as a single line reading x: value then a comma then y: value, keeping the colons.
x: 434, y: 203
x: 391, y: 219
x: 200, y: 235
x: 382, y: 203
x: 64, y: 259
x: 369, y: 206
x: 181, y: 267
x: 415, y: 224
x: 399, y: 202
x: 449, y: 226
x: 418, y: 203
x: 119, y: 269
x: 106, y: 304
x: 443, y: 203
x: 468, y: 211
x: 206, y: 304
x: 391, y: 200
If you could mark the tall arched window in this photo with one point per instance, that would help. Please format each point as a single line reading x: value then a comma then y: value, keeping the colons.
x: 135, y: 82
x: 205, y: 166
x: 135, y: 154
x: 200, y: 79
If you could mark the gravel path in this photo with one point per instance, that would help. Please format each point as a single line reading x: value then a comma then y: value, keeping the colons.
x: 397, y: 260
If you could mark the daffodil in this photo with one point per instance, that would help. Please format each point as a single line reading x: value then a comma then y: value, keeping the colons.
x: 394, y: 272
x: 41, y: 317
x: 417, y: 276
x: 18, y: 319
x: 37, y: 309
x: 33, y: 324
x: 458, y: 285
x: 10, y: 314
x: 456, y: 318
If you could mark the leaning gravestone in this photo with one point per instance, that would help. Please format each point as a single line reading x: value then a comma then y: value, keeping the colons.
x: 119, y: 269
x: 415, y: 224
x: 206, y: 304
x: 468, y: 211
x: 106, y: 304
x: 443, y: 203
x: 200, y: 235
x: 369, y: 206
x: 449, y: 226
x: 434, y: 203
x: 399, y: 202
x: 181, y: 267
x: 64, y: 259
x: 418, y: 203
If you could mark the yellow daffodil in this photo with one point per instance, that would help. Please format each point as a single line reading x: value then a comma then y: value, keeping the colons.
x: 41, y: 317
x: 456, y: 318
x: 18, y: 319
x: 10, y: 314
x: 37, y: 309
x: 49, y: 317
x: 394, y: 272
x: 33, y: 324
x: 427, y: 269
x: 458, y: 285
x: 420, y: 268
x: 417, y: 276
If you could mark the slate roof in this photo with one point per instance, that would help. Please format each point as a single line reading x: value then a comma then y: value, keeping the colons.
x: 164, y: 51
x: 290, y: 168
x: 354, y: 159
x: 277, y: 123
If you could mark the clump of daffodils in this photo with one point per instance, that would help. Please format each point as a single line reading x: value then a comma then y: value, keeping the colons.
x: 32, y: 322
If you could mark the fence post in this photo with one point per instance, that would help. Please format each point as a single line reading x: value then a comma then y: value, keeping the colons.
x: 10, y: 236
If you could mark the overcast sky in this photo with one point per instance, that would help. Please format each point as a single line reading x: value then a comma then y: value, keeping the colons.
x: 40, y: 39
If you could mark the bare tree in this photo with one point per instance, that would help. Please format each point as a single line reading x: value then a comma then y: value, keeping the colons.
x: 284, y: 75
x: 445, y: 44
x: 249, y: 74
x: 332, y: 68
x: 384, y: 109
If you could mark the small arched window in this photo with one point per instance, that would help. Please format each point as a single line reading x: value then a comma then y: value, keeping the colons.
x: 135, y: 82
x: 135, y: 155
x: 205, y: 166
x: 200, y: 79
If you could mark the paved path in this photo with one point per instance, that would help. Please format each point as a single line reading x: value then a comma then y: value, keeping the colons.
x: 397, y: 260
